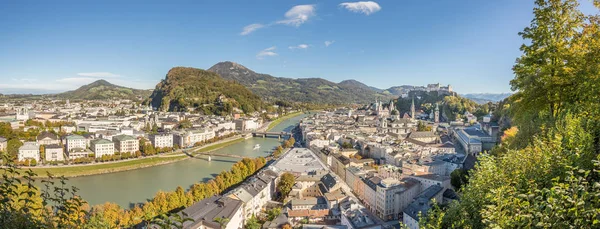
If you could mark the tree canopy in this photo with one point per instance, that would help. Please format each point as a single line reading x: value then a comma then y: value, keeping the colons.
x: 545, y: 172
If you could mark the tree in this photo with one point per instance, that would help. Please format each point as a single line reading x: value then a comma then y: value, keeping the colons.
x: 347, y: 145
x: 458, y: 178
x: 422, y: 127
x: 285, y: 184
x: 547, y: 175
x: 252, y: 223
x: 273, y: 213
x: 544, y: 76
x: 222, y: 221
x: 184, y: 124
x: 13, y: 146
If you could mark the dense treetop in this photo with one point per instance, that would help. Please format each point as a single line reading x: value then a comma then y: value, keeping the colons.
x: 545, y: 172
x: 306, y: 90
x: 185, y: 88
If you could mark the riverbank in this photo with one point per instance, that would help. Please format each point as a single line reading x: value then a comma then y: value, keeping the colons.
x: 283, y: 118
x: 126, y: 165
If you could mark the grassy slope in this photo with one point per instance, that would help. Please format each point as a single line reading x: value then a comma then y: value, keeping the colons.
x: 105, y: 168
x: 283, y: 118
x: 123, y: 165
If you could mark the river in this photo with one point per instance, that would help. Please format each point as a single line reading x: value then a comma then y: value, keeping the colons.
x: 136, y: 186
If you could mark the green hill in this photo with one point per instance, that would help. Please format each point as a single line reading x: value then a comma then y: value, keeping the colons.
x: 102, y: 89
x: 452, y: 106
x: 307, y: 90
x: 196, y: 89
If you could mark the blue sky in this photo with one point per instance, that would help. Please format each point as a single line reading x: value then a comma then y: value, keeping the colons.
x: 50, y: 46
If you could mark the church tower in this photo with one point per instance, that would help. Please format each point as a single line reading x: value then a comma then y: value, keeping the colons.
x: 437, y: 113
x: 383, y: 122
x: 412, y: 109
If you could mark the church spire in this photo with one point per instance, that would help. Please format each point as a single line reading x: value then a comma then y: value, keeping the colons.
x: 412, y: 109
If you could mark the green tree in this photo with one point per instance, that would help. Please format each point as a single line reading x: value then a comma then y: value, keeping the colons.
x: 544, y: 76
x: 222, y: 221
x: 347, y: 145
x: 252, y: 223
x: 184, y: 124
x: 458, y: 178
x: 273, y: 213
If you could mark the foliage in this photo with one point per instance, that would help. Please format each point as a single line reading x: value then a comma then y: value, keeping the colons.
x: 458, y: 178
x: 184, y: 124
x: 273, y: 213
x: 421, y: 126
x: 253, y: 223
x: 26, y: 206
x: 101, y: 89
x: 347, y: 145
x: 451, y: 105
x: 222, y: 221
x: 285, y: 185
x: 278, y: 151
x: 205, y: 91
x: 303, y: 90
x: 544, y: 174
x: 289, y: 143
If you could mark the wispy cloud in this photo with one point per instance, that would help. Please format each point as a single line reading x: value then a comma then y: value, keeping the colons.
x: 266, y: 52
x: 98, y: 74
x: 367, y: 7
x: 300, y: 46
x: 298, y: 15
x: 328, y: 43
x: 251, y: 28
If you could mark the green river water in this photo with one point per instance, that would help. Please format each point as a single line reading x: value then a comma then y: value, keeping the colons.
x: 136, y: 186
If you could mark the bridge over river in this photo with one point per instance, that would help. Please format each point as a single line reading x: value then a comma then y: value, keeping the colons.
x: 271, y: 134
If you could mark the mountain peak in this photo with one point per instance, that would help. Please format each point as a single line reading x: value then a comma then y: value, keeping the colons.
x: 100, y: 82
x: 102, y: 89
x: 228, y: 65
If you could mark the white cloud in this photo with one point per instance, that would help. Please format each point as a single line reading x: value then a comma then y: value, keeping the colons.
x: 266, y: 52
x: 300, y: 46
x: 98, y: 74
x: 298, y: 15
x: 366, y: 8
x: 251, y: 28
x: 328, y: 43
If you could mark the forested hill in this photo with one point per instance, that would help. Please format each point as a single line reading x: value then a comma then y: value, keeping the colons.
x: 102, y: 89
x: 196, y: 89
x: 307, y: 90
x: 452, y: 106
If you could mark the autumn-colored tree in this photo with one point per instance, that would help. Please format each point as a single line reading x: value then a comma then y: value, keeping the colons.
x: 285, y: 185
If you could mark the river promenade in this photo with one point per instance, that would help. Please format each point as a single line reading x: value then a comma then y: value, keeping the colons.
x: 135, y: 186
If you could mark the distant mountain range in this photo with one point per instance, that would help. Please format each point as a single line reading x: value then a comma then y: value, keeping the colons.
x: 189, y: 87
x: 486, y: 97
x: 309, y: 90
x: 102, y: 89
